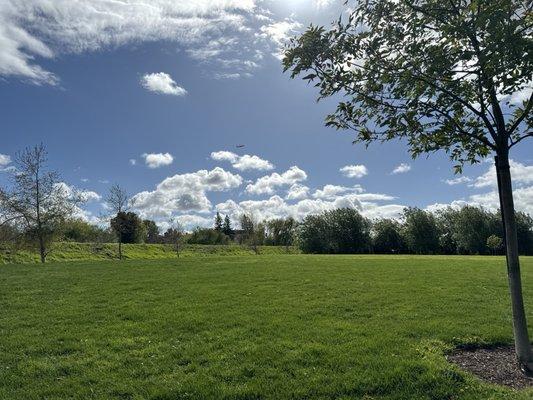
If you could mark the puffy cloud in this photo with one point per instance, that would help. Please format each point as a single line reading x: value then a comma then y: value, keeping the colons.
x: 268, y: 184
x: 184, y: 193
x: 156, y: 160
x: 243, y: 163
x: 354, y: 171
x: 224, y: 156
x: 523, y: 190
x: 297, y: 192
x: 160, y: 82
x: 332, y: 191
x: 401, y: 169
x: 369, y: 204
x: 133, y: 161
x: 44, y: 28
x: 521, y: 174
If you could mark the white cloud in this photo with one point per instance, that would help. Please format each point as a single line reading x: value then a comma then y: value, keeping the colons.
x: 401, y: 169
x: 354, y: 171
x: 333, y: 191
x: 276, y: 207
x: 184, y: 193
x: 156, y: 160
x: 160, y: 82
x: 243, y: 163
x: 44, y: 28
x: 297, y: 192
x: 521, y: 174
x: 224, y: 156
x: 457, y: 181
x: 279, y: 33
x: 247, y: 162
x: 268, y: 184
x: 523, y: 190
x: 4, y: 160
x: 133, y: 161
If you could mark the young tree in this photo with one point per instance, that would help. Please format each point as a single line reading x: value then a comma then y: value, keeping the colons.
x: 494, y: 243
x: 218, y: 223
x: 249, y: 227
x: 117, y: 201
x: 452, y: 76
x: 174, y: 235
x: 37, y: 198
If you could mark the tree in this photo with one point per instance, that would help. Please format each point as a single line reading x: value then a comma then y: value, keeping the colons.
x: 78, y: 230
x: 343, y: 231
x: 174, y: 235
x: 280, y: 231
x: 420, y: 231
x: 117, y: 201
x: 218, y: 222
x: 207, y: 236
x: 152, y: 231
x: 250, y: 232
x: 387, y: 237
x: 128, y: 227
x: 37, y: 199
x: 471, y: 229
x: 226, y: 228
x: 450, y: 76
x: 494, y: 243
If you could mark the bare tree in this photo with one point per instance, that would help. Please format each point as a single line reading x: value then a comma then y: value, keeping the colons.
x: 117, y: 200
x: 174, y: 235
x: 37, y: 199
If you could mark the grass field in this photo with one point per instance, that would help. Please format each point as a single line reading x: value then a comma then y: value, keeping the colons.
x: 252, y: 327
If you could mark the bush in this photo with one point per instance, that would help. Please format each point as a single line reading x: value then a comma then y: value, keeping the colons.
x: 207, y: 236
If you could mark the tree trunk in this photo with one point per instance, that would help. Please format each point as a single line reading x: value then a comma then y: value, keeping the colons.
x: 522, y: 344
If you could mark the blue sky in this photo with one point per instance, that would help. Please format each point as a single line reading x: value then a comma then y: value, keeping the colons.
x: 172, y: 84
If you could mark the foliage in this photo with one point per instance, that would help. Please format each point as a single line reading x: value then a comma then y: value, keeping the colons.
x: 280, y: 232
x: 128, y: 227
x: 494, y: 243
x: 218, y: 222
x: 80, y: 231
x: 420, y: 230
x: 152, y: 231
x: 341, y: 231
x: 387, y: 237
x: 226, y: 227
x: 436, y: 74
x: 207, y: 236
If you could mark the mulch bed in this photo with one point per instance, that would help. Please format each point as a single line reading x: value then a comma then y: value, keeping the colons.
x: 495, y: 365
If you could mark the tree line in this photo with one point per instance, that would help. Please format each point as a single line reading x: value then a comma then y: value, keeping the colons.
x: 38, y: 209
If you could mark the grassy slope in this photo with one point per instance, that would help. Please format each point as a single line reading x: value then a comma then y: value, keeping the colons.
x: 248, y: 327
x: 109, y: 251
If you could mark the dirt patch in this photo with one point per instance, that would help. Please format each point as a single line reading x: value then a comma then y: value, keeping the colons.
x: 495, y: 365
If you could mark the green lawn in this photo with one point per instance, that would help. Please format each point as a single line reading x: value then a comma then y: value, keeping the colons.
x: 252, y: 327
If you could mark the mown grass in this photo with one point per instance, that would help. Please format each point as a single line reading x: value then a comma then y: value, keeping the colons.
x: 68, y: 251
x: 252, y: 327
